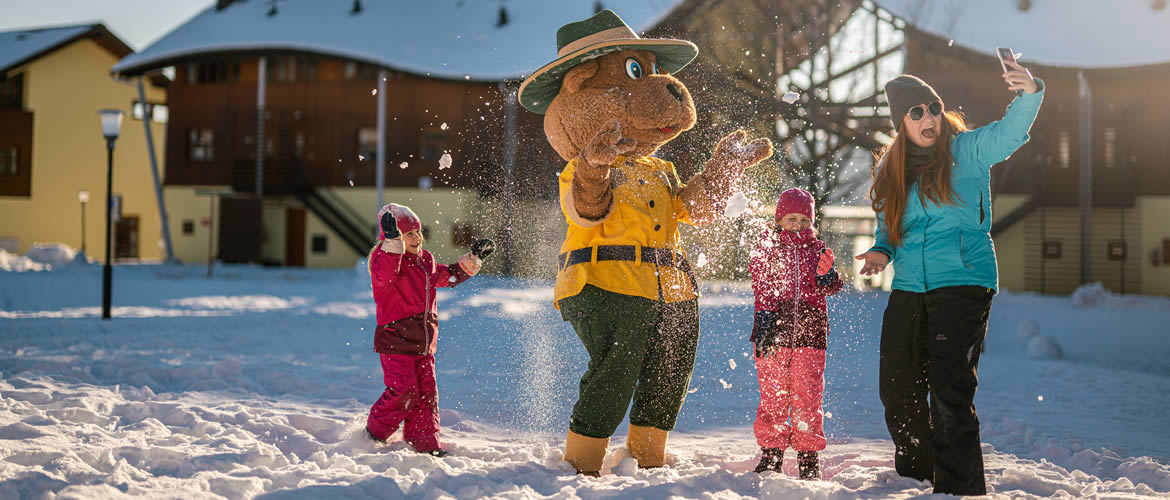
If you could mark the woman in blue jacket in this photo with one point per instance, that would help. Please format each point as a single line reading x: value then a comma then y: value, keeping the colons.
x: 932, y: 195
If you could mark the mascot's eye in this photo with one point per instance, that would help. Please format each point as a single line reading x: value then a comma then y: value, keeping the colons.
x: 633, y: 69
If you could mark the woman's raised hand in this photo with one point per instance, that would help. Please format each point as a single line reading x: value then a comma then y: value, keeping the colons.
x: 1019, y: 78
x: 875, y: 261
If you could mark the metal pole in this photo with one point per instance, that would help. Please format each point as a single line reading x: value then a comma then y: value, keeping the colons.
x: 107, y: 271
x: 83, y: 228
x: 210, y: 231
x: 147, y: 113
x: 261, y: 87
x: 1086, y: 176
x: 380, y: 169
x: 509, y: 173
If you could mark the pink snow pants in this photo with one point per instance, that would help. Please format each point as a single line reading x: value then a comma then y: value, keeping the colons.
x: 412, y: 396
x: 792, y: 382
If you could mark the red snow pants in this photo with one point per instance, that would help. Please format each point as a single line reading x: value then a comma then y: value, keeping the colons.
x: 411, y: 396
x: 792, y: 382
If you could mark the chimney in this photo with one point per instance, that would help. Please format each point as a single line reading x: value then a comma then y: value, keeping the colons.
x: 222, y: 4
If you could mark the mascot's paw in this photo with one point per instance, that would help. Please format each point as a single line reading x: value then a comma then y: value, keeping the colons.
x: 606, y: 146
x: 735, y: 153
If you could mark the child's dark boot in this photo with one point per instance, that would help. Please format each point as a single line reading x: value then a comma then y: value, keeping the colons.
x: 810, y: 466
x: 770, y: 460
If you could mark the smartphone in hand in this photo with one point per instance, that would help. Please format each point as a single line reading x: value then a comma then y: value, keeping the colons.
x: 1005, y: 56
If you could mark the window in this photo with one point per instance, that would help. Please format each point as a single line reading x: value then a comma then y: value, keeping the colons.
x: 1064, y: 153
x: 213, y: 72
x: 319, y: 243
x: 12, y: 92
x: 1115, y: 249
x: 307, y: 69
x: 360, y: 71
x: 158, y: 112
x: 8, y: 164
x: 188, y: 227
x: 250, y: 146
x: 368, y: 144
x: 292, y: 68
x: 1052, y: 249
x: 1110, y: 138
x: 282, y: 69
x: 200, y: 144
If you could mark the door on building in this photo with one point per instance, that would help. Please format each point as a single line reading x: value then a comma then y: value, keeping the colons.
x: 240, y: 230
x: 294, y: 231
x: 126, y: 237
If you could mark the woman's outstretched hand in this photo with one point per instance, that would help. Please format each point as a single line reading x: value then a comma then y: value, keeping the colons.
x: 1019, y: 78
x: 875, y: 261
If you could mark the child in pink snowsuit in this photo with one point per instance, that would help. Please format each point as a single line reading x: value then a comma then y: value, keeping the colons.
x: 792, y: 273
x: 404, y: 278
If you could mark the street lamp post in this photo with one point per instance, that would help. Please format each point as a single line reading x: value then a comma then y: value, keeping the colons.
x: 111, y: 123
x: 83, y: 197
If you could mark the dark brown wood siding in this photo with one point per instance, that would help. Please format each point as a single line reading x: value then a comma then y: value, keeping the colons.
x: 16, y: 131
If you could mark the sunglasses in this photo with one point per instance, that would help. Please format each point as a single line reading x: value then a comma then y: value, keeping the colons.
x: 917, y: 111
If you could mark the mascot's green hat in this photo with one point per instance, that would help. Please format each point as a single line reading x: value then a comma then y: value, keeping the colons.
x: 601, y: 34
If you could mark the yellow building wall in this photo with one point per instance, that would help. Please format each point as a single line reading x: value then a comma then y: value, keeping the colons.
x: 1155, y: 227
x: 184, y: 204
x: 1010, y: 243
x: 64, y: 90
x: 439, y: 209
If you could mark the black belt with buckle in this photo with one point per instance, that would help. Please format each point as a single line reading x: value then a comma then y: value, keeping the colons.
x: 660, y: 256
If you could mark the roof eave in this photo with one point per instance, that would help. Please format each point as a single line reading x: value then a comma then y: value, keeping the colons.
x: 133, y: 68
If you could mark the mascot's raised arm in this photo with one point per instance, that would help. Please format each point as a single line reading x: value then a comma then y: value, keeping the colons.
x: 623, y: 282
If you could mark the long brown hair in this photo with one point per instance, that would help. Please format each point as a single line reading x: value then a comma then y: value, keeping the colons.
x: 890, y: 184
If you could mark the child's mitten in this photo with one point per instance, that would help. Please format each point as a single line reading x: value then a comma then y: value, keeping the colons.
x: 482, y: 248
x: 390, y: 226
x: 826, y: 274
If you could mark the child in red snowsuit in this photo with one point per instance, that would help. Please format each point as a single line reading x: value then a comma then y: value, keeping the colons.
x: 404, y: 278
x: 792, y: 273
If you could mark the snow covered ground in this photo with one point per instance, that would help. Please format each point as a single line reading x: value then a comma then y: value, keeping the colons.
x: 255, y: 383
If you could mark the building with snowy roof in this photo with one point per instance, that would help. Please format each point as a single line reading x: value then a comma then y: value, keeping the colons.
x: 53, y: 81
x: 352, y: 95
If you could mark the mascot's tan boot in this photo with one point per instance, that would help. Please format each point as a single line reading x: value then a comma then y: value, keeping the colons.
x: 647, y: 445
x: 585, y: 453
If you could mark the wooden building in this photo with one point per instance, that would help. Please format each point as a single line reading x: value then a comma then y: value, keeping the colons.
x: 319, y: 76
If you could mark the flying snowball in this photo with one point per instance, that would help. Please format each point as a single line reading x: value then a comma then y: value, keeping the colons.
x: 445, y: 161
x: 790, y: 97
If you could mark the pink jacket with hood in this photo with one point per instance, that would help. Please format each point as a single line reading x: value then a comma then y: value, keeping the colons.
x: 784, y: 277
x: 404, y: 290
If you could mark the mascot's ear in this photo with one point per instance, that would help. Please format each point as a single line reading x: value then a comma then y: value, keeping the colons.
x: 576, y: 77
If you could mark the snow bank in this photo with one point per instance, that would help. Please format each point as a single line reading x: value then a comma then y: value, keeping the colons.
x: 11, y: 262
x: 42, y: 257
x: 51, y: 254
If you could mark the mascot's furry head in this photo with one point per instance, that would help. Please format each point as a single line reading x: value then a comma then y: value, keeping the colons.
x: 605, y: 73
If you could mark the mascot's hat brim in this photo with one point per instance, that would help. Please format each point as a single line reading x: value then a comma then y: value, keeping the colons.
x: 601, y: 34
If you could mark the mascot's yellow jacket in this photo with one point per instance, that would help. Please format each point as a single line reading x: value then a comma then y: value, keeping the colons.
x: 647, y: 208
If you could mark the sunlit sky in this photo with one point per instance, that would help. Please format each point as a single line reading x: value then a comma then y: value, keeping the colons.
x: 136, y: 22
